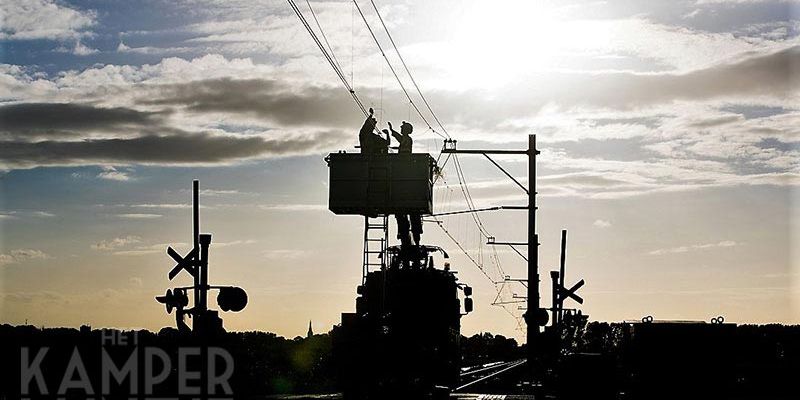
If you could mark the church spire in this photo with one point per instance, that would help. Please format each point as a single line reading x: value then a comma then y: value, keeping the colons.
x: 310, y: 331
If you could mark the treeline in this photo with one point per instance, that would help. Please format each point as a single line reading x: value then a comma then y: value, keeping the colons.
x: 683, y: 360
x: 756, y: 343
x: 762, y: 357
x: 265, y: 363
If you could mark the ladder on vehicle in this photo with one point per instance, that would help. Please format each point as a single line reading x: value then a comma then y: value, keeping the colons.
x: 376, y: 239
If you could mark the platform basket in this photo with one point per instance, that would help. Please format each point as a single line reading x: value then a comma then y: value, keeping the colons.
x: 363, y: 184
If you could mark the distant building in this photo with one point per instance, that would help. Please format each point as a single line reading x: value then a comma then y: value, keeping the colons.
x: 310, y: 331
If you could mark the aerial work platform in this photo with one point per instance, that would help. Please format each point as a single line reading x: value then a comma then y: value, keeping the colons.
x: 380, y: 184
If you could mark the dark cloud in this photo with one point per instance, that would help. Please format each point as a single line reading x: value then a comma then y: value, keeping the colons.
x: 43, y: 119
x: 629, y: 149
x: 772, y: 143
x: 649, y: 122
x: 717, y: 121
x: 771, y: 75
x: 265, y: 99
x: 148, y: 138
x: 40, y: 134
x: 709, y: 17
x: 582, y: 180
x: 755, y: 111
x: 166, y: 150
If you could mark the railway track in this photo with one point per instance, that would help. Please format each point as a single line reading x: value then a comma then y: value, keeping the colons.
x: 485, y: 373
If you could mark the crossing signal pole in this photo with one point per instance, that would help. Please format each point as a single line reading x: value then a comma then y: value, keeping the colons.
x: 195, y: 263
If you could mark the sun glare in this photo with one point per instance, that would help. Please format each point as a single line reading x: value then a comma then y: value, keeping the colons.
x: 497, y: 41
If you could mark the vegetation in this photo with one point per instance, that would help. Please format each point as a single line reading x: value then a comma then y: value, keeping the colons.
x: 266, y: 363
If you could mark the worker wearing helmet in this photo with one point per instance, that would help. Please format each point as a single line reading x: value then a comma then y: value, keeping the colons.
x: 412, y: 221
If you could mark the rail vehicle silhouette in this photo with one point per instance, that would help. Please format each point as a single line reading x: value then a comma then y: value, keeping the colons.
x: 402, y: 341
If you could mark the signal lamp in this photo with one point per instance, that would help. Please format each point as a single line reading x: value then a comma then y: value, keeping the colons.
x: 171, y: 300
x: 232, y: 299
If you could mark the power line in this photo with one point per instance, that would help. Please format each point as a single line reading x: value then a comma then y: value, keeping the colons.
x: 313, y: 14
x: 499, y: 286
x: 480, y: 267
x: 462, y: 181
x: 407, y: 70
x: 403, y: 87
x: 328, y: 57
x: 334, y: 63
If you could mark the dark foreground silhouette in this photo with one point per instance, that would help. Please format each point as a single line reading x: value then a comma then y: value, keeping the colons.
x: 763, y: 362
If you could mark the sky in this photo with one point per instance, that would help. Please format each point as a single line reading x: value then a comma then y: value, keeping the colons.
x: 668, y: 131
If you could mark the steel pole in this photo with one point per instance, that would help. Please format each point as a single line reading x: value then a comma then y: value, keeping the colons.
x: 562, y: 272
x: 533, y: 336
x: 205, y: 241
x: 196, y: 243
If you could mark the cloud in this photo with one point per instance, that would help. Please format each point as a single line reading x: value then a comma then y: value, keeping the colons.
x: 139, y: 216
x: 233, y: 243
x: 24, y: 214
x: 21, y: 255
x: 287, y: 254
x: 111, y: 173
x: 770, y: 74
x: 601, y: 223
x: 652, y: 131
x: 694, y: 247
x: 141, y: 252
x: 270, y: 100
x: 294, y: 207
x: 597, y: 178
x: 108, y: 245
x: 35, y: 120
x: 623, y: 149
x: 159, y: 248
x: 218, y: 192
x: 747, y: 75
x: 28, y: 297
x: 123, y: 48
x: 164, y: 205
x: 81, y: 49
x: 177, y: 149
x: 42, y: 19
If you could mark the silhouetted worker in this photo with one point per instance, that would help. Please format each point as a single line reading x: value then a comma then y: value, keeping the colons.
x: 404, y: 137
x: 369, y: 142
x: 403, y: 228
x: 412, y: 222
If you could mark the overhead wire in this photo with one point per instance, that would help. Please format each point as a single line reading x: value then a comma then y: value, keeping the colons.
x: 461, y: 178
x: 414, y: 81
x: 470, y: 202
x: 459, y: 171
x: 461, y: 247
x: 391, y: 68
x: 499, y: 283
x: 328, y: 57
x: 324, y: 37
